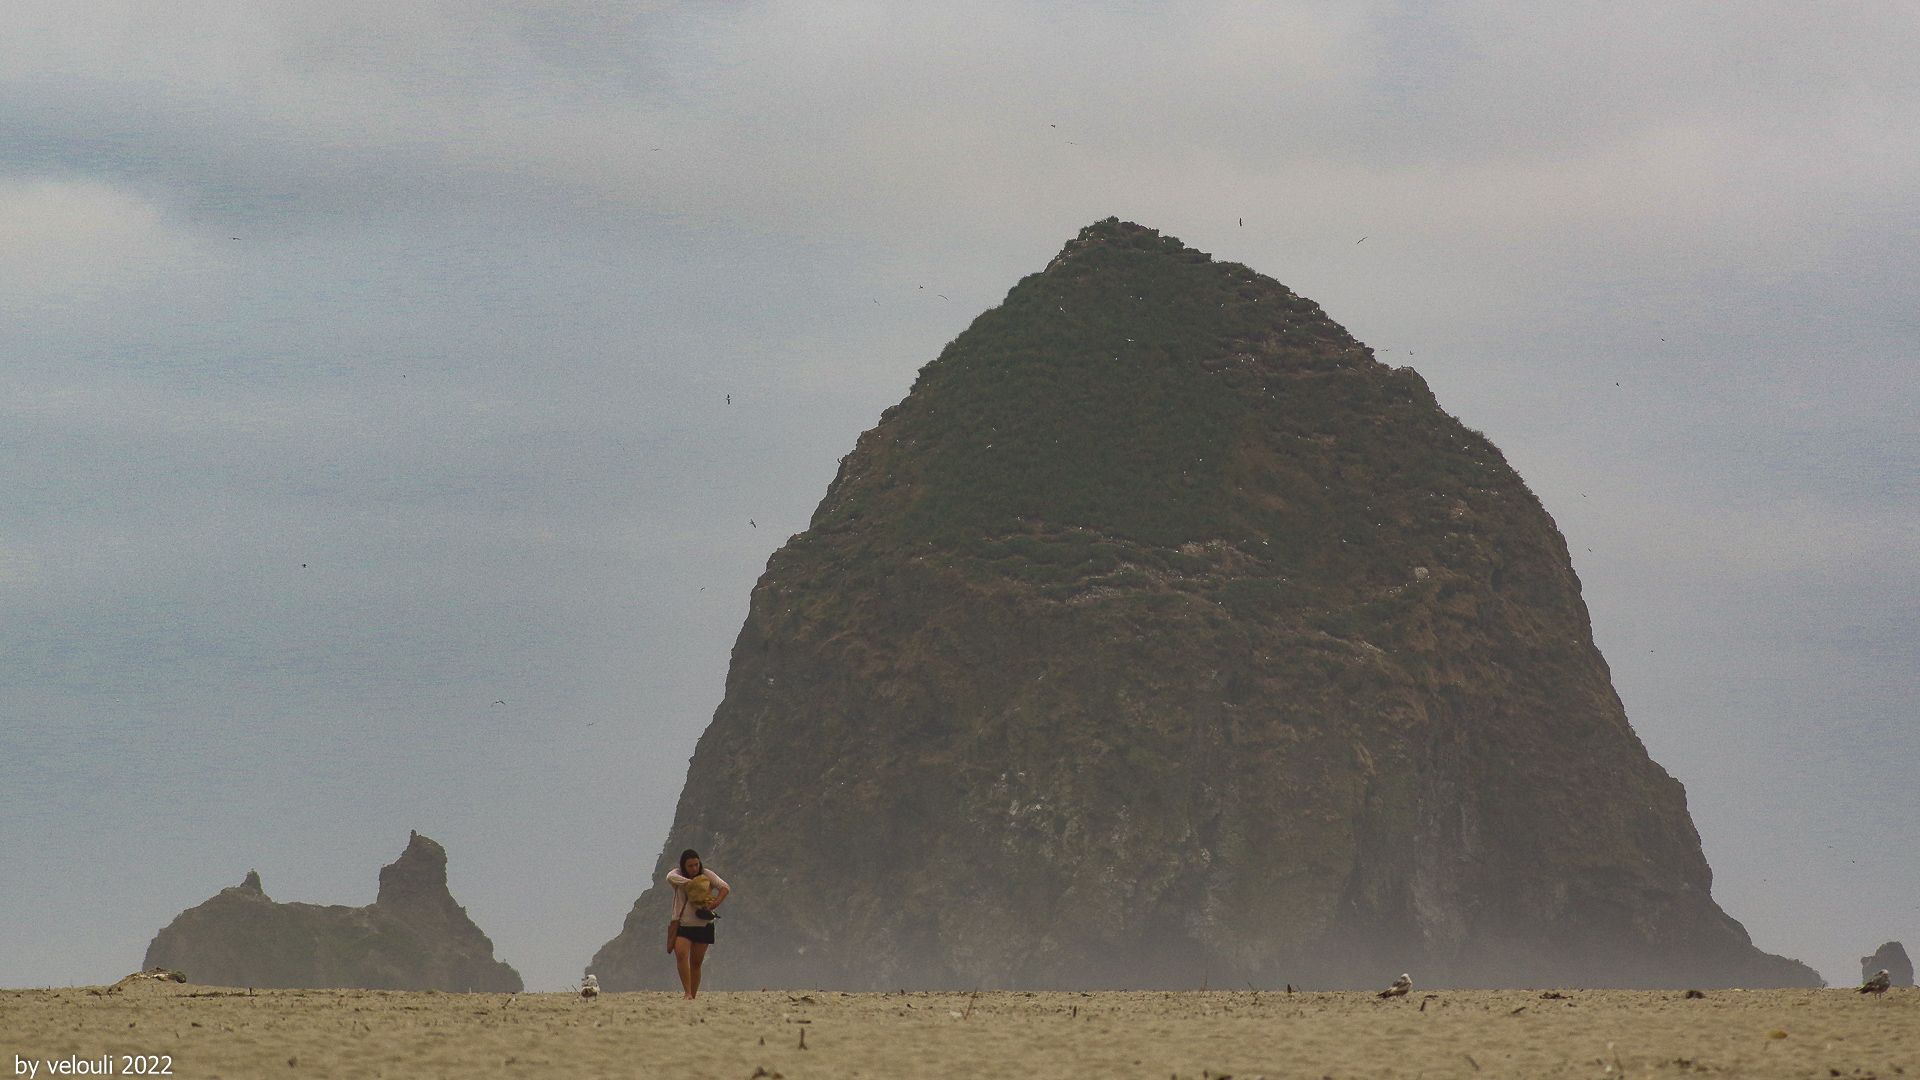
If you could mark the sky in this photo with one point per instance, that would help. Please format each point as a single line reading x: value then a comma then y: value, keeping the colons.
x: 399, y: 399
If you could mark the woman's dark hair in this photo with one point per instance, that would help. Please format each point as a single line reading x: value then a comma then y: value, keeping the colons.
x: 685, y: 855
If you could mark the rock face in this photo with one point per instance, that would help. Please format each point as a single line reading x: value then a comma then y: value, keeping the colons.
x: 412, y: 937
x: 1162, y: 637
x: 1891, y: 958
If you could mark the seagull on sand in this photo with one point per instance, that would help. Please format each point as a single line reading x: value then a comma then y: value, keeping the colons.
x: 590, y: 987
x: 1878, y: 984
x: 1400, y: 986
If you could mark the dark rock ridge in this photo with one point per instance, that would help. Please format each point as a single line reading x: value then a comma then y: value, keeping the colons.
x: 1891, y: 958
x: 1164, y: 637
x: 412, y: 937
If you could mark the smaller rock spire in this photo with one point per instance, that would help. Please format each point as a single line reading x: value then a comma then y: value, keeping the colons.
x: 415, y: 937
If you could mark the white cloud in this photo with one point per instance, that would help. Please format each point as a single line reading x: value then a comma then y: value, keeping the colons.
x: 67, y: 242
x: 1462, y: 119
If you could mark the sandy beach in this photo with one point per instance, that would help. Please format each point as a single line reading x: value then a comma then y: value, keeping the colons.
x: 218, y: 1032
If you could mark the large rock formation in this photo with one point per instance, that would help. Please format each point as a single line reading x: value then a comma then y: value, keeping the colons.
x: 1162, y: 635
x: 1890, y: 958
x: 412, y: 937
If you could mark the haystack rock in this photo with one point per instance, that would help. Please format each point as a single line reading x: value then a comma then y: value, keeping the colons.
x: 1891, y: 958
x: 1164, y: 637
x: 412, y: 937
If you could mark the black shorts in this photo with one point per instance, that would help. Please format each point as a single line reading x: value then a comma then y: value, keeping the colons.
x: 701, y: 934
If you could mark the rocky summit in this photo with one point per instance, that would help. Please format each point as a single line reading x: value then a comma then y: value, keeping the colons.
x: 1164, y: 637
x: 412, y: 937
x: 1891, y: 958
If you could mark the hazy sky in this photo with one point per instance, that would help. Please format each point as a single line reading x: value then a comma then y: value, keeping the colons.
x: 364, y: 365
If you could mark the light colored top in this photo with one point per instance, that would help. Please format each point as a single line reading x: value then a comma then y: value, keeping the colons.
x: 683, y: 911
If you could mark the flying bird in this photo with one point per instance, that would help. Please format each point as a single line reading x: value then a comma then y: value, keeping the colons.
x: 1400, y: 986
x: 750, y: 522
x: 590, y: 987
x: 1878, y: 984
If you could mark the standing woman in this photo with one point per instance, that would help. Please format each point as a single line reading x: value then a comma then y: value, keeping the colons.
x: 691, y: 930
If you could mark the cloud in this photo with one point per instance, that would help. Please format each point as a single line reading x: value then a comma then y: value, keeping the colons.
x: 69, y: 242
x: 1478, y: 121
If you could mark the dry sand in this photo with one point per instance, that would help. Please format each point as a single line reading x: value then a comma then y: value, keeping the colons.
x: 1189, y: 1036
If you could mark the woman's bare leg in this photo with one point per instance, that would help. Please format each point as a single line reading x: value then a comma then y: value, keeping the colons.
x: 698, y: 954
x: 689, y: 974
